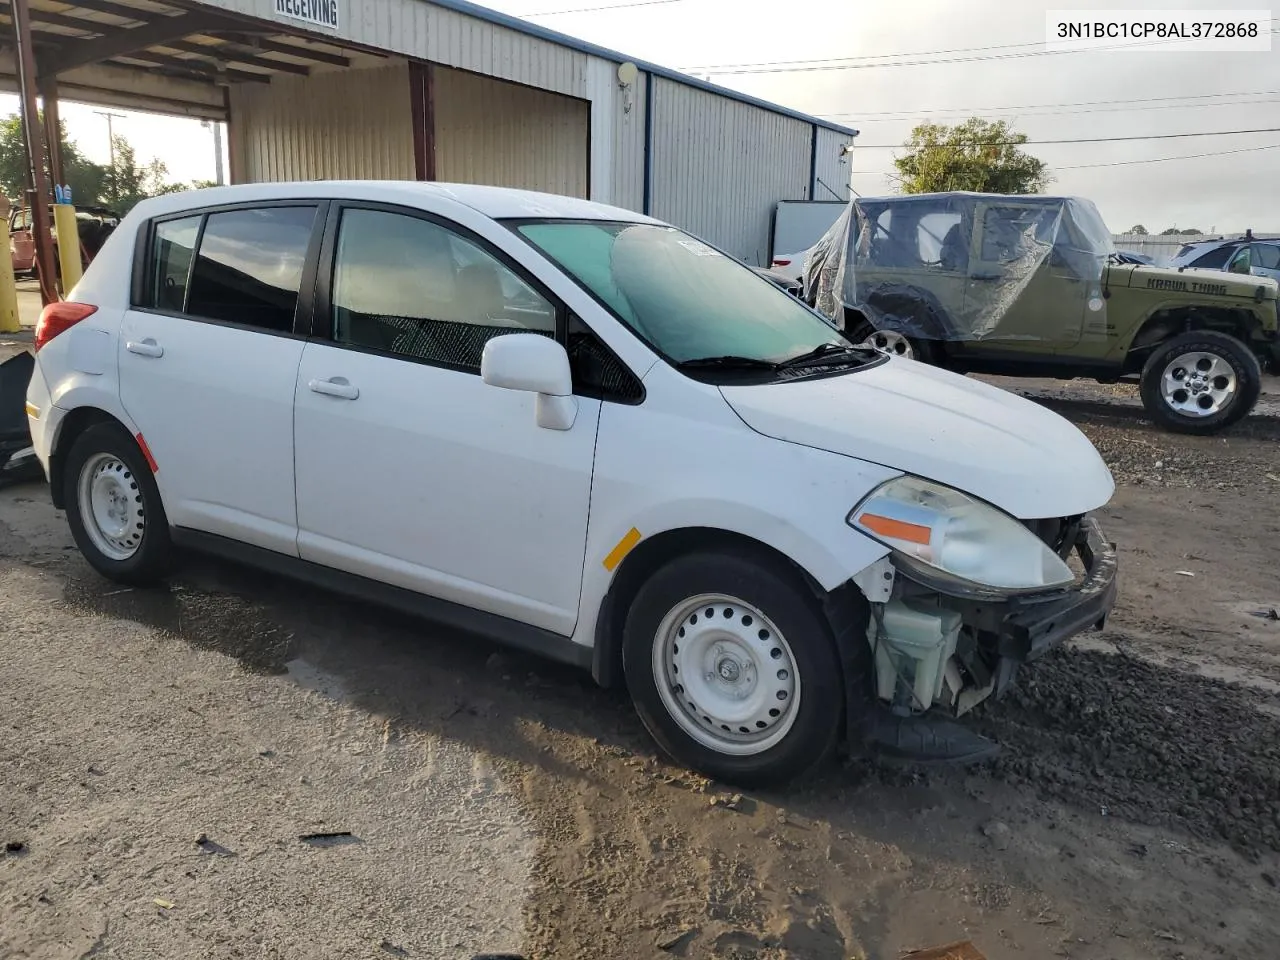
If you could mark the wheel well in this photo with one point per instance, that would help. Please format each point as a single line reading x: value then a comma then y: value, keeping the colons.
x: 1163, y: 324
x: 918, y: 307
x: 642, y: 562
x: 77, y: 422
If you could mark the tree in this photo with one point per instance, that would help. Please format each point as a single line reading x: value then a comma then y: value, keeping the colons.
x: 1138, y: 230
x: 980, y: 155
x: 92, y: 184
x: 1175, y: 232
x: 84, y: 176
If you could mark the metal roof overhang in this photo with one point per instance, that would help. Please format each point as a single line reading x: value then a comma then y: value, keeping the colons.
x: 177, y: 56
x: 164, y: 56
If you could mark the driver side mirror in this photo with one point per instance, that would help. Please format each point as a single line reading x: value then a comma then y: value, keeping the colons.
x: 533, y: 363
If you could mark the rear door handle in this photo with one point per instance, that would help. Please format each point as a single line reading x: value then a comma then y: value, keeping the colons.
x: 145, y: 348
x: 335, y: 387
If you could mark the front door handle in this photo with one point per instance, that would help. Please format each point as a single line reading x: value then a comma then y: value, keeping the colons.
x: 335, y: 387
x: 145, y: 348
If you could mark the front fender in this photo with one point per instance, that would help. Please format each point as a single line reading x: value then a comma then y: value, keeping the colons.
x: 659, y: 472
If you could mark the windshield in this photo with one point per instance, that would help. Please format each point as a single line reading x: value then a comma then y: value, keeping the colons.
x: 685, y: 299
x: 1093, y: 228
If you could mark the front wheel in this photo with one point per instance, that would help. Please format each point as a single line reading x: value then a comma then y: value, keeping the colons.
x: 1200, y: 382
x: 733, y: 668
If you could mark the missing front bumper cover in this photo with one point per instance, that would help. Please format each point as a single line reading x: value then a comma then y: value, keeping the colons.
x: 1008, y: 631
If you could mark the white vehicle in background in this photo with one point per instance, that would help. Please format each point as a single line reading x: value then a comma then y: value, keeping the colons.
x: 1259, y: 256
x: 797, y: 226
x: 584, y: 433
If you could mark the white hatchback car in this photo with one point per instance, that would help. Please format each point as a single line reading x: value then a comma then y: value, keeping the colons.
x: 580, y: 431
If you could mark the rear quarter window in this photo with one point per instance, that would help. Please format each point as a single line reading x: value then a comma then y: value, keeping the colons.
x: 172, y: 245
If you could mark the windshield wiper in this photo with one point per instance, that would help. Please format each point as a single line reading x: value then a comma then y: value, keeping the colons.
x: 826, y: 352
x: 728, y: 362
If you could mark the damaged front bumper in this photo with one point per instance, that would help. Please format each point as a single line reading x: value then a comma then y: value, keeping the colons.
x: 982, y: 640
x: 1025, y: 626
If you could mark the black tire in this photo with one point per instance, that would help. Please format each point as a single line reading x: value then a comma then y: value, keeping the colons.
x: 150, y: 560
x: 1230, y: 350
x: 779, y: 594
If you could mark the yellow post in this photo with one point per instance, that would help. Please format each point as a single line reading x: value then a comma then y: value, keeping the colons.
x: 68, y: 233
x: 9, y: 322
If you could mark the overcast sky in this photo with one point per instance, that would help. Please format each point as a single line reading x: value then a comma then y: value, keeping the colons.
x: 1226, y: 192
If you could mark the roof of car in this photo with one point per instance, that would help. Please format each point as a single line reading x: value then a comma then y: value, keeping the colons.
x: 497, y: 202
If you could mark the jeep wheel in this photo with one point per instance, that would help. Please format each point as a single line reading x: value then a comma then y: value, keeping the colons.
x: 1200, y: 382
x: 890, y: 342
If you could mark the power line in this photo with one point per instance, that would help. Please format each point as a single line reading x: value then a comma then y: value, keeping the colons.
x: 895, y: 114
x: 870, y: 56
x: 1088, y: 111
x: 1189, y: 156
x: 1114, y: 163
x: 1030, y: 143
x: 616, y: 6
x: 822, y: 66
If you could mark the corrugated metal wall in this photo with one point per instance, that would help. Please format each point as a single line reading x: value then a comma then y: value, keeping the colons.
x: 489, y: 131
x: 828, y: 168
x: 617, y: 126
x: 720, y: 166
x: 352, y: 123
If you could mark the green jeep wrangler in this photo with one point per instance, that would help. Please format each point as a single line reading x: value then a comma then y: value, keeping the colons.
x: 1032, y: 286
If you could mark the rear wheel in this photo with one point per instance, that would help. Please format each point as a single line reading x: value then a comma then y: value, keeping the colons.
x: 733, y: 668
x: 1200, y: 382
x: 891, y: 342
x: 114, y: 508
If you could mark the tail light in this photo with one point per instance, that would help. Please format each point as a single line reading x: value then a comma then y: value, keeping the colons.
x: 59, y: 316
x: 781, y: 263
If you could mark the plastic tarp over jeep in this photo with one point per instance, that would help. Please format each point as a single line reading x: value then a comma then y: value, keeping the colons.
x: 959, y: 266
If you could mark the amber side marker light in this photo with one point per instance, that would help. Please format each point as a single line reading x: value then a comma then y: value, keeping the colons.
x: 895, y: 529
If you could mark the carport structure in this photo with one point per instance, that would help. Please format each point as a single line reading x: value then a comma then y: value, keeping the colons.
x: 429, y: 90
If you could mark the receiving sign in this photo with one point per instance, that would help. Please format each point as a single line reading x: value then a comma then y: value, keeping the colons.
x: 320, y: 13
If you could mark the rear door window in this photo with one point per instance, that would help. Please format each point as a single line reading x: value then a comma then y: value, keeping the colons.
x: 249, y: 266
x: 1267, y: 255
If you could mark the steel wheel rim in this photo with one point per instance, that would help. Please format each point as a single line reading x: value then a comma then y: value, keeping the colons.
x: 889, y: 342
x: 1199, y: 384
x: 726, y: 675
x: 111, y: 506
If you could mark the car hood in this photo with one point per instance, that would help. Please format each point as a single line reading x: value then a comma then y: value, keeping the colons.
x: 921, y: 420
x: 1213, y: 283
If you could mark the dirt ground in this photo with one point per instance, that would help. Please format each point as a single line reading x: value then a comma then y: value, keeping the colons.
x: 163, y: 752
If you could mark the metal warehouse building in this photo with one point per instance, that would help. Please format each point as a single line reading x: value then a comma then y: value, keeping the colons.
x: 440, y: 90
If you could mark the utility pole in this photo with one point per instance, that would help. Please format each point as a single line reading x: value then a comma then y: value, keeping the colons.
x: 216, y: 127
x: 111, y: 138
x: 38, y: 195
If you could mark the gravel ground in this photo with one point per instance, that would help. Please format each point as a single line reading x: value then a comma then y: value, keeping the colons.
x: 499, y: 802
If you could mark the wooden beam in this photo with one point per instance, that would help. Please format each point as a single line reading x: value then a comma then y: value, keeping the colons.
x: 229, y: 53
x: 289, y: 49
x: 115, y: 43
x: 89, y: 27
x: 52, y: 127
x: 38, y: 196
x: 422, y: 100
x: 199, y: 68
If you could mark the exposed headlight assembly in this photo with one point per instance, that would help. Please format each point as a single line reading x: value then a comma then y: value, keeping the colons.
x: 939, y: 530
